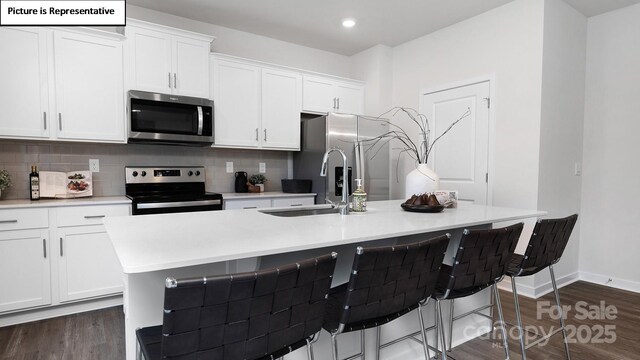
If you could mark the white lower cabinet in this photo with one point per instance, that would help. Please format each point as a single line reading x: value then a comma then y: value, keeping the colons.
x: 53, y: 256
x: 25, y: 262
x: 302, y: 200
x: 88, y: 266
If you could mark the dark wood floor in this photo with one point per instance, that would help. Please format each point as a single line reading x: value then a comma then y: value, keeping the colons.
x: 99, y: 334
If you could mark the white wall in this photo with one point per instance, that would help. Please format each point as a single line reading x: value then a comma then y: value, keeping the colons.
x: 374, y: 65
x: 610, y: 241
x: 257, y: 47
x: 507, y: 42
x: 563, y: 84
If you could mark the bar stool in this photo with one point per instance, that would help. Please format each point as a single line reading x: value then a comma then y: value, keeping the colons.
x: 480, y: 262
x: 255, y: 315
x: 547, y: 243
x: 385, y: 283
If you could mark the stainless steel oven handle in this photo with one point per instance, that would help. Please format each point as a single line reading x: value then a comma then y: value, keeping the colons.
x: 175, y: 204
x: 200, y: 120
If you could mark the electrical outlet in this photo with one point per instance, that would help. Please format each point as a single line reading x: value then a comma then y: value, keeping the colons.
x: 229, y: 167
x: 94, y: 165
x: 263, y: 167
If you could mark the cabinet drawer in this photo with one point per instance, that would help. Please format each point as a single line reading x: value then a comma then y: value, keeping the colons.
x: 89, y: 215
x: 247, y: 204
x: 301, y: 201
x: 19, y: 219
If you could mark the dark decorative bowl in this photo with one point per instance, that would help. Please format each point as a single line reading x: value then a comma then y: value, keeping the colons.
x: 422, y: 208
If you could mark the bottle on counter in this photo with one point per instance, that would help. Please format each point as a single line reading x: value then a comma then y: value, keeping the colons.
x: 359, y: 198
x: 34, y: 183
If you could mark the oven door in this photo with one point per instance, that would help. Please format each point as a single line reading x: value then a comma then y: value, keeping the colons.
x: 145, y: 208
x: 170, y: 119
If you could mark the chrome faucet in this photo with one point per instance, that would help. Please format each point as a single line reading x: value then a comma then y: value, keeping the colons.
x: 345, y: 182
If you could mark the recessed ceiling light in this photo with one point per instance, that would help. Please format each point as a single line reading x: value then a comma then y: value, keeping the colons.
x: 348, y: 23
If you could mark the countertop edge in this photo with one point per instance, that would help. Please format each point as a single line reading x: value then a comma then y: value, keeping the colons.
x: 49, y: 203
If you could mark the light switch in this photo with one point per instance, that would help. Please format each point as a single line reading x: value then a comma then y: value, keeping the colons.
x: 229, y: 166
x: 577, y: 169
x: 94, y: 165
x: 263, y: 167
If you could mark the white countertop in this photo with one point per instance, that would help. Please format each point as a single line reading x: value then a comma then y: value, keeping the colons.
x: 98, y: 200
x: 158, y: 242
x: 264, y: 195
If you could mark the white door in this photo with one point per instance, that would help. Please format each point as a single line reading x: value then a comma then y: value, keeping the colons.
x: 237, y: 104
x: 460, y: 158
x: 150, y: 61
x: 89, y: 266
x: 318, y: 94
x: 24, y: 97
x: 89, y: 87
x: 25, y: 265
x: 191, y: 67
x: 281, y: 105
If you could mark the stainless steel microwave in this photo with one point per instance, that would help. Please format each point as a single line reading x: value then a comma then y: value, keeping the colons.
x: 169, y: 119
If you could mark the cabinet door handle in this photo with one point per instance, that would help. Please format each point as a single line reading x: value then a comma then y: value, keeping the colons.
x: 250, y: 207
x: 61, y: 247
x: 169, y: 74
x: 256, y: 134
x: 338, y: 103
x: 93, y: 216
x: 334, y: 103
x: 9, y: 221
x: 265, y: 135
x: 295, y: 205
x: 44, y: 247
x: 175, y: 81
x: 44, y: 119
x: 60, y: 121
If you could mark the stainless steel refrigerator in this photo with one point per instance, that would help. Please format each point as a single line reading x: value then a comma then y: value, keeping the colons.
x: 366, y: 159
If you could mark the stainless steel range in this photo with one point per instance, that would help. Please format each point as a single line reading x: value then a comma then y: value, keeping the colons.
x: 160, y: 190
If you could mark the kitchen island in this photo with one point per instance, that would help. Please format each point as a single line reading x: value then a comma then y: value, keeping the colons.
x: 153, y: 247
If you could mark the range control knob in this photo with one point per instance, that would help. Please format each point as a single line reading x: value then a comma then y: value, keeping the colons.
x: 135, y: 173
x: 197, y: 172
x: 190, y: 173
x: 143, y: 173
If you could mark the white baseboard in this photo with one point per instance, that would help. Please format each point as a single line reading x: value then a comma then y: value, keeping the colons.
x: 541, y: 290
x: 605, y: 280
x: 59, y: 310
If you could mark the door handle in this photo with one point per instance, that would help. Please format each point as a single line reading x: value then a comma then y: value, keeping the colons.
x: 44, y: 118
x: 61, y: 247
x: 44, y: 247
x: 265, y: 135
x: 200, y: 120
x: 60, y: 121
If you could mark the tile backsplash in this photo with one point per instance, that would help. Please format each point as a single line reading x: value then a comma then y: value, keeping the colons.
x: 18, y: 156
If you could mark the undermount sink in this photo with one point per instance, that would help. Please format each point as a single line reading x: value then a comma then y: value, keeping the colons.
x: 302, y: 211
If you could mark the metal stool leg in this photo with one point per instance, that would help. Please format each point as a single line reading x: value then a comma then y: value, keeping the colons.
x: 519, y: 319
x: 310, y: 342
x: 378, y: 342
x: 362, y: 343
x: 443, y: 350
x: 564, y: 329
x: 502, y: 326
x: 425, y: 343
x: 138, y: 351
x: 451, y: 325
x: 334, y: 346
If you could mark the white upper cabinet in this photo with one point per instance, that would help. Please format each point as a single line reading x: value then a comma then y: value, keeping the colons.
x: 281, y: 106
x: 24, y: 97
x: 89, y: 87
x: 236, y: 93
x: 256, y: 106
x: 326, y: 94
x: 66, y: 85
x: 167, y: 60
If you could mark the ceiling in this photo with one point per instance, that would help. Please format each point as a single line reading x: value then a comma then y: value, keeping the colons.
x: 317, y: 23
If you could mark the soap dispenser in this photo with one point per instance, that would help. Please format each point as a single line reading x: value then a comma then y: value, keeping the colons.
x: 359, y: 198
